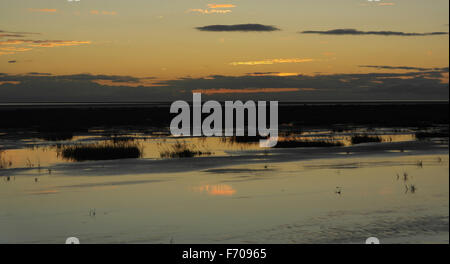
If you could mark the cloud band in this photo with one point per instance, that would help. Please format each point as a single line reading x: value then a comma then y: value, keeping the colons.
x: 378, y: 33
x: 239, y: 27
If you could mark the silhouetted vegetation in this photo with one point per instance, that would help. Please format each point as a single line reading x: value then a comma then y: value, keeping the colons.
x: 76, y: 118
x: 433, y: 134
x: 296, y: 143
x: 118, y: 139
x: 101, y: 151
x: 61, y: 136
x: 245, y: 139
x: 359, y: 139
x: 182, y: 150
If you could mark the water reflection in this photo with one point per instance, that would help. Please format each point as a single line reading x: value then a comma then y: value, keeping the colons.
x: 4, y: 163
x: 216, y: 190
x: 31, y: 151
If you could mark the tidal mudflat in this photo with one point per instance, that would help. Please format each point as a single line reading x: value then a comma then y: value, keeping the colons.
x: 383, y: 182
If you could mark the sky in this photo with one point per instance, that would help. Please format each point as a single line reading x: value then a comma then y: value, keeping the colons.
x: 163, y: 50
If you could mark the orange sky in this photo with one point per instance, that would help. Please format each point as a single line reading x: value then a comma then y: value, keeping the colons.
x: 157, y: 38
x: 163, y: 40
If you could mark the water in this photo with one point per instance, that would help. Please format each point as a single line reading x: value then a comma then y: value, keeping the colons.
x: 293, y: 202
x: 396, y: 190
x: 30, y: 150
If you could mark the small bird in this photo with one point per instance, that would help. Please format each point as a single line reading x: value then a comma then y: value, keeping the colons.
x: 405, y: 176
x: 339, y: 190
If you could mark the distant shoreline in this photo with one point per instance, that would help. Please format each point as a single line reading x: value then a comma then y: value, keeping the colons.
x: 58, y: 117
x: 162, y: 104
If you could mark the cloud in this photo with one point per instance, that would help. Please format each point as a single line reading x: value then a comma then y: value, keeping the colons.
x: 57, y: 43
x: 14, y: 49
x: 43, y: 10
x: 90, y: 77
x: 273, y: 74
x: 271, y: 61
x: 376, y: 3
x: 380, y: 33
x: 209, y: 11
x: 11, y: 42
x: 213, y: 9
x: 9, y: 34
x: 365, y: 86
x: 6, y: 53
x: 26, y: 33
x: 414, y: 85
x: 39, y: 73
x: 76, y: 87
x: 245, y: 91
x: 407, y: 68
x: 11, y: 46
x: 9, y: 82
x: 262, y: 73
x: 221, y: 6
x: 239, y: 27
x: 14, y: 45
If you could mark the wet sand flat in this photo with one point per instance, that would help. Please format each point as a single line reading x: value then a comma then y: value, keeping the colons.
x: 397, y: 197
x: 391, y: 183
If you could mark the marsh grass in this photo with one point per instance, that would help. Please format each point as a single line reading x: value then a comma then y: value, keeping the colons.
x: 101, y: 151
x: 182, y: 150
x: 359, y: 139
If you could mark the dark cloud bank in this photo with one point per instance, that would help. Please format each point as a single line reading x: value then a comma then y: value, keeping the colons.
x: 380, y: 33
x: 239, y: 27
x: 414, y: 85
x: 407, y: 68
x: 4, y: 33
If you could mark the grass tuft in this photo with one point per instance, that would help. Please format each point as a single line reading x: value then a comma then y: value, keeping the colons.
x: 181, y: 150
x: 101, y: 151
x: 359, y: 139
